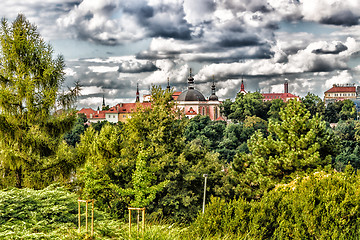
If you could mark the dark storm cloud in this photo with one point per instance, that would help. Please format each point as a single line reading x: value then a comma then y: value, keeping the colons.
x: 322, y: 65
x: 338, y: 49
x: 248, y: 5
x: 240, y: 41
x: 344, y: 18
x: 136, y: 67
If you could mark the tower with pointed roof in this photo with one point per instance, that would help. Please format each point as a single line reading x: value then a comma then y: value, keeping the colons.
x: 242, y: 87
x: 213, y: 96
x: 168, y: 84
x: 103, y: 104
x: 137, y: 93
x: 192, y: 102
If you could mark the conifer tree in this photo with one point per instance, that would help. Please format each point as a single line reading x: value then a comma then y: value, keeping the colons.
x: 296, y: 145
x: 30, y: 134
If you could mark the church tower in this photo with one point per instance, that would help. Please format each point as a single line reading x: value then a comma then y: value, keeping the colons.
x: 168, y: 84
x: 137, y: 93
x: 242, y: 87
x: 213, y: 96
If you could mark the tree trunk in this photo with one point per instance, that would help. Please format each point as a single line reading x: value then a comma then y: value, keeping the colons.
x: 18, y: 173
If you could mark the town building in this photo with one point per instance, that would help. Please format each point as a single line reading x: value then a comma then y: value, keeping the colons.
x: 285, y: 96
x: 192, y: 102
x: 92, y: 115
x: 340, y: 92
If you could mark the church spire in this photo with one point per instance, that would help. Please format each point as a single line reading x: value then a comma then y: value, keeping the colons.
x: 168, y: 84
x: 213, y: 96
x: 137, y: 93
x: 242, y: 87
x: 103, y: 104
x: 190, y: 81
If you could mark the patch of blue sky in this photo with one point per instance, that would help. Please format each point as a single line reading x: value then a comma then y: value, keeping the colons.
x: 308, y: 27
x: 75, y: 49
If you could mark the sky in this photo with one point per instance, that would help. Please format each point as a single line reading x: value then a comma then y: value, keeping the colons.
x: 110, y: 46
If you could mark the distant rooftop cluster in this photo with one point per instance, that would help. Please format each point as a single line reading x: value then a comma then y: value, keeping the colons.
x: 191, y: 102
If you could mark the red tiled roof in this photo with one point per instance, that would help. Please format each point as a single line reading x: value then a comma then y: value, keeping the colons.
x: 176, y: 95
x: 341, y: 89
x: 90, y: 112
x: 129, y: 107
x: 100, y: 115
x: 86, y: 111
x: 283, y: 96
x: 220, y: 119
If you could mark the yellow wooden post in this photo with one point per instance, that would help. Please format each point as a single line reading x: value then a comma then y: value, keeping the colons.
x: 86, y: 216
x: 138, y: 219
x: 143, y: 220
x: 92, y: 217
x: 79, y: 217
x: 129, y: 223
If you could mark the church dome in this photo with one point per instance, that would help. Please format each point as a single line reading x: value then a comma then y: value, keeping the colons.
x: 191, y: 94
x: 213, y: 98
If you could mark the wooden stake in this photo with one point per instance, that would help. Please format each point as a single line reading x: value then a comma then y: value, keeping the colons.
x: 143, y: 220
x: 79, y: 217
x: 129, y: 223
x: 92, y: 218
x: 86, y: 216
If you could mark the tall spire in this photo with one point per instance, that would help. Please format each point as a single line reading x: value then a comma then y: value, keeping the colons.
x: 137, y: 93
x: 190, y: 81
x: 213, y: 96
x: 286, y: 87
x: 242, y: 87
x: 103, y: 105
x: 168, y: 84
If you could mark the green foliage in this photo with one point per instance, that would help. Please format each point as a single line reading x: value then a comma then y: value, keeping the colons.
x: 143, y: 190
x: 348, y: 110
x: 343, y: 110
x: 52, y: 213
x: 346, y: 133
x: 104, y: 169
x: 275, y: 108
x: 314, y: 104
x: 225, y: 108
x: 249, y: 104
x: 323, y: 205
x: 73, y: 136
x: 296, y: 145
x: 30, y: 137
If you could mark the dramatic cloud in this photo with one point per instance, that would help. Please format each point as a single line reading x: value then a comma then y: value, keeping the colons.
x: 137, y: 67
x: 113, y: 45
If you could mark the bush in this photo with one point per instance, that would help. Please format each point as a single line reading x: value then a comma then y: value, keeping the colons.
x: 324, y: 205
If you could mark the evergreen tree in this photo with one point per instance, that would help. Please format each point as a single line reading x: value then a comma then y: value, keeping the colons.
x: 30, y: 135
x: 296, y: 145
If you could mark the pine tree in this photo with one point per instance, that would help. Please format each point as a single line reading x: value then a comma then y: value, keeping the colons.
x: 30, y: 135
x: 296, y: 145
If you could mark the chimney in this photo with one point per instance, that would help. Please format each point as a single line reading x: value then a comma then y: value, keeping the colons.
x: 286, y: 87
